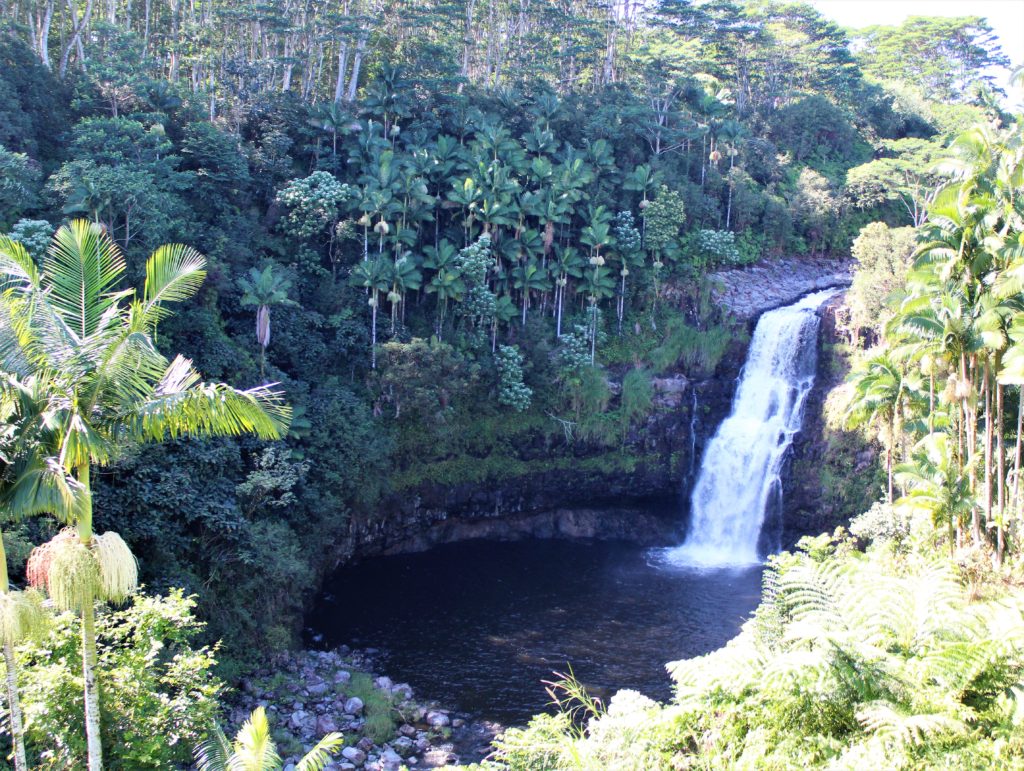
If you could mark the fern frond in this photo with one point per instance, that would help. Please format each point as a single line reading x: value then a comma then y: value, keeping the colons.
x: 320, y: 755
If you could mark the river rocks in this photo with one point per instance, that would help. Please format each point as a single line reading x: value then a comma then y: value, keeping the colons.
x: 326, y: 724
x: 438, y: 719
x: 390, y: 760
x: 404, y: 746
x: 313, y: 692
x: 402, y: 691
x: 354, y: 755
x: 317, y: 688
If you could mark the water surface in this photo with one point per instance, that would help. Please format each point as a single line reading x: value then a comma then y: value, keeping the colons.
x: 479, y: 625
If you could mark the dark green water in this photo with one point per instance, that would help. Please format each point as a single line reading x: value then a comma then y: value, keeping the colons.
x: 479, y: 625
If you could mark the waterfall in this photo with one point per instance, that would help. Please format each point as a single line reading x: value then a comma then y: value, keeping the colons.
x: 739, y: 475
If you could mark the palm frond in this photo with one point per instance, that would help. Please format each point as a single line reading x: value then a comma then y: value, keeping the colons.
x: 183, y: 406
x: 254, y: 749
x: 22, y: 616
x: 17, y: 267
x: 174, y: 273
x: 320, y: 755
x: 40, y: 485
x: 82, y: 269
x: 213, y: 754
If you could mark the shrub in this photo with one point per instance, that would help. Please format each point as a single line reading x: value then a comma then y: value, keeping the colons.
x: 159, y: 693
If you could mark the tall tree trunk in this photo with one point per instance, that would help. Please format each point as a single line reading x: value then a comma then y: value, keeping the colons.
x: 13, y: 702
x: 75, y: 41
x: 44, y: 35
x: 467, y: 40
x: 14, y: 705
x: 560, y: 300
x: 357, y: 63
x: 92, y: 693
x: 339, y: 83
x: 888, y: 471
x: 373, y: 332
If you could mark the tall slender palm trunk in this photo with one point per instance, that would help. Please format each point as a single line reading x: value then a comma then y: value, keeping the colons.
x: 94, y: 746
x: 11, y: 665
x: 14, y: 705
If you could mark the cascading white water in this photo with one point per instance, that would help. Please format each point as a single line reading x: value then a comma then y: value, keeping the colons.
x: 739, y: 474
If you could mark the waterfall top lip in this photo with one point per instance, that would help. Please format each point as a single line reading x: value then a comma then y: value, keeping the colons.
x: 811, y: 300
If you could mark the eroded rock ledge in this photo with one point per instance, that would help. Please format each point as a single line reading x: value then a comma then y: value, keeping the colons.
x: 749, y: 292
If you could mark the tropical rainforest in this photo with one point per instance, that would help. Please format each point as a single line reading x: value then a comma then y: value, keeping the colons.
x: 266, y: 266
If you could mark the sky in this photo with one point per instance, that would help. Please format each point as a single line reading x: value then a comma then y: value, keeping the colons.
x: 1006, y: 17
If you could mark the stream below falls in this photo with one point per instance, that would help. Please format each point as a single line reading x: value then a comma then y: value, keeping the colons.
x: 478, y: 625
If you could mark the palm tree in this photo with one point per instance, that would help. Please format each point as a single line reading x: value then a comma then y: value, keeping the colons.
x: 936, y: 484
x: 373, y: 275
x: 90, y: 344
x: 881, y: 390
x: 530, y: 276
x: 264, y: 289
x: 253, y: 749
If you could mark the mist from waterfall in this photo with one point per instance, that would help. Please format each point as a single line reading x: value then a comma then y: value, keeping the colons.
x: 739, y: 476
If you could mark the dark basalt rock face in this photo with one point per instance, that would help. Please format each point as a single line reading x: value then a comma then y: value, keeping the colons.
x: 581, y: 490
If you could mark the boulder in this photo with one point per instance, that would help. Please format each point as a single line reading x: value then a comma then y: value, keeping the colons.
x: 317, y: 688
x: 354, y: 755
x: 437, y: 719
x: 325, y: 724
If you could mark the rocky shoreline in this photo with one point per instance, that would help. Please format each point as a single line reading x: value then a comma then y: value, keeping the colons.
x: 308, y: 694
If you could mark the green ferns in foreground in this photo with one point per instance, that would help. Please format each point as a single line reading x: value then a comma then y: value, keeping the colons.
x: 855, y: 659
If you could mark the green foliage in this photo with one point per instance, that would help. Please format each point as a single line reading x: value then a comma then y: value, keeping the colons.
x: 883, y: 257
x: 34, y: 235
x: 698, y: 351
x: 253, y: 749
x: 853, y: 660
x: 705, y: 249
x: 159, y: 691
x: 379, y: 711
x: 637, y: 398
x: 313, y: 204
x: 664, y: 218
x: 943, y: 57
x: 19, y: 185
x: 511, y: 390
